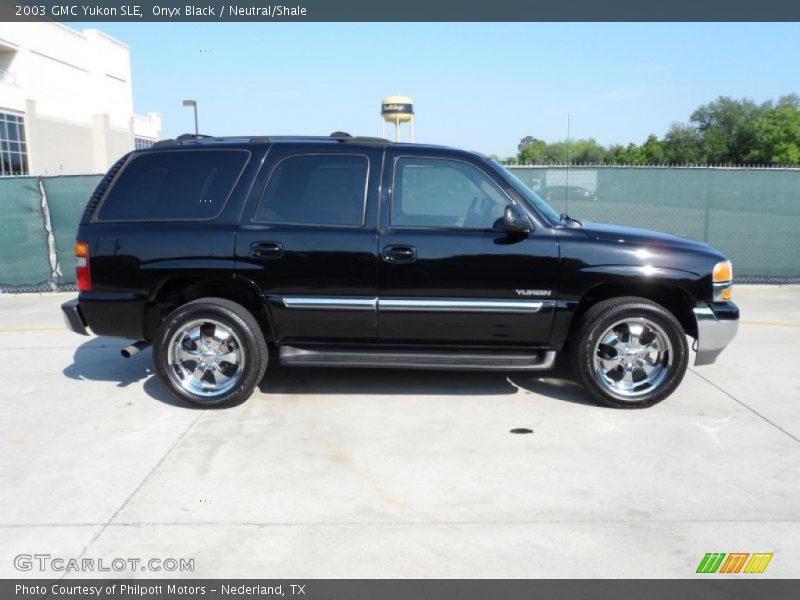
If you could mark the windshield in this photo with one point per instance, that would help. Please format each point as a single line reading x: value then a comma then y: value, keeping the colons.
x: 530, y: 195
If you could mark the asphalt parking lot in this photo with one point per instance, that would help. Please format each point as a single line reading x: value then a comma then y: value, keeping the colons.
x: 348, y: 473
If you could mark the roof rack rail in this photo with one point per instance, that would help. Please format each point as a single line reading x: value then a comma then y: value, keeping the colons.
x: 189, y: 137
x: 339, y: 136
x: 192, y: 136
x: 343, y: 136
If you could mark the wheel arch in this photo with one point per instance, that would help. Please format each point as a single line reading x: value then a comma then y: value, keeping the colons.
x: 672, y: 297
x: 177, y: 291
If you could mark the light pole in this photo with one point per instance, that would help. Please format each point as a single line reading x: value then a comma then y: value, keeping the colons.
x: 193, y: 104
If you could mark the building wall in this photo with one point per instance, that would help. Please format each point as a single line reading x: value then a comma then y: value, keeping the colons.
x: 61, y: 147
x: 74, y: 90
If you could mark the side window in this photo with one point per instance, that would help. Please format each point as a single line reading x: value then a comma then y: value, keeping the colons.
x: 316, y: 189
x: 435, y: 192
x: 186, y: 184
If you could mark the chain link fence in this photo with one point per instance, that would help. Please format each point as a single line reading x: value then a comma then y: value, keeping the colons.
x: 752, y: 215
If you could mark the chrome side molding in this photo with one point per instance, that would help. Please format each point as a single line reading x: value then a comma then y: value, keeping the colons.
x: 458, y: 305
x: 398, y: 304
x: 331, y: 302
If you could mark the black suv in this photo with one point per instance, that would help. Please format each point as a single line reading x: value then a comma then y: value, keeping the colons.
x: 358, y: 252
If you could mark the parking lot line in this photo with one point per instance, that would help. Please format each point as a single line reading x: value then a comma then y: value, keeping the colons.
x: 744, y: 404
x: 770, y: 323
x: 30, y: 329
x: 110, y: 521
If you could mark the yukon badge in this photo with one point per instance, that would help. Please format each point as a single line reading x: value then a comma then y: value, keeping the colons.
x: 534, y: 292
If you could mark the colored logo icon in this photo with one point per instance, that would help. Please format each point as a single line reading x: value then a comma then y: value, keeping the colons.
x: 735, y: 562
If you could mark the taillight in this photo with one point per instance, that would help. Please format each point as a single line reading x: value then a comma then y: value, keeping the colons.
x: 82, y: 274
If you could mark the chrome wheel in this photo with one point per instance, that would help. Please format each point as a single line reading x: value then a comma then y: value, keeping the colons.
x: 632, y: 358
x: 205, y: 358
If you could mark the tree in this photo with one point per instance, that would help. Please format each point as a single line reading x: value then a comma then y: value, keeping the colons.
x: 683, y: 145
x: 631, y: 155
x: 531, y: 150
x: 728, y: 129
x: 526, y: 141
x: 588, y: 151
x: 653, y: 151
x: 722, y: 131
x: 778, y: 132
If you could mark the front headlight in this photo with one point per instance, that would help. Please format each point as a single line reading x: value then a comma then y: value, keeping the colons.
x: 722, y: 279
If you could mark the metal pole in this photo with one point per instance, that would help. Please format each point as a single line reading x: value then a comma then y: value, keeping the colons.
x: 566, y: 185
x: 707, y: 215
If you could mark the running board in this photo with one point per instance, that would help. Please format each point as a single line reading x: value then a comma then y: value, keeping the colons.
x: 478, y: 361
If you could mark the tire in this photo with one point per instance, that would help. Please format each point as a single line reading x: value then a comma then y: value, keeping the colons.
x: 210, y: 352
x: 630, y: 352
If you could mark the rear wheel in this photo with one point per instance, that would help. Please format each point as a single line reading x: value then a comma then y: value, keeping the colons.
x: 210, y: 352
x: 630, y: 352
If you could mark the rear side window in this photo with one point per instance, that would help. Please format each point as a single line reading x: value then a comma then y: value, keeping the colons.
x: 188, y: 184
x: 316, y: 189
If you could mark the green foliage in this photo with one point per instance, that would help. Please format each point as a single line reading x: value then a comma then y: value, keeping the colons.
x: 724, y: 131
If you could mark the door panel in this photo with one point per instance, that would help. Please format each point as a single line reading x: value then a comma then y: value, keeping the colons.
x: 465, y: 285
x: 319, y: 277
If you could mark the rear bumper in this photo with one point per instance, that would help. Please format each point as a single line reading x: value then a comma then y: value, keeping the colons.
x: 717, y: 325
x: 73, y: 317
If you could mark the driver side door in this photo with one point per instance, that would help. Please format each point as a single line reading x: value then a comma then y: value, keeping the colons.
x: 448, y: 273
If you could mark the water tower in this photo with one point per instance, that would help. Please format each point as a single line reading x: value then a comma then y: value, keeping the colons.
x: 397, y: 110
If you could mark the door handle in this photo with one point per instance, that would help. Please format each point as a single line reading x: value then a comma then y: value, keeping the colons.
x: 399, y: 254
x: 266, y: 250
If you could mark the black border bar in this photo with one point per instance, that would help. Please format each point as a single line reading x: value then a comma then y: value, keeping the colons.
x: 404, y: 10
x: 705, y: 587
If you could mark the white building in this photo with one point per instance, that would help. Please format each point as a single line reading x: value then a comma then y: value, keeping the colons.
x: 66, y: 101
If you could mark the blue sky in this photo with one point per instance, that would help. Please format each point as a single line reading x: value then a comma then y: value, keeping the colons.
x: 479, y: 86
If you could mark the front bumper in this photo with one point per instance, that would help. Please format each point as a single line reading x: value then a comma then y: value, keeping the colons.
x: 717, y: 325
x: 73, y: 317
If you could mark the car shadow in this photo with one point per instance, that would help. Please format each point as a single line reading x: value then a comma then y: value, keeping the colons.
x: 99, y: 360
x: 556, y: 383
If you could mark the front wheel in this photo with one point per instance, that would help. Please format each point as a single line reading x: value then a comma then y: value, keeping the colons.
x: 210, y: 352
x: 630, y: 352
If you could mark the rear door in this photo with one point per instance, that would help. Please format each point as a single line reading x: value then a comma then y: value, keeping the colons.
x: 308, y: 240
x: 448, y: 273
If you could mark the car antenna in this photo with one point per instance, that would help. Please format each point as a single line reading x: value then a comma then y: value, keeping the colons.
x: 566, y: 185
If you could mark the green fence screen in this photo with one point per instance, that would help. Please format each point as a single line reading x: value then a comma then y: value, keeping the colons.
x: 66, y: 198
x: 752, y: 215
x: 24, y: 254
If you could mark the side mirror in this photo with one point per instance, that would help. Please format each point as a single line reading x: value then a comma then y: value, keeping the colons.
x: 515, y: 220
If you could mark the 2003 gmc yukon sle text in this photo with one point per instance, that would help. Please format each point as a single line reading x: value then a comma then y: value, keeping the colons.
x: 347, y: 251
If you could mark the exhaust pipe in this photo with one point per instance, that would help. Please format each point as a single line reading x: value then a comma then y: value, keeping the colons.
x: 134, y: 349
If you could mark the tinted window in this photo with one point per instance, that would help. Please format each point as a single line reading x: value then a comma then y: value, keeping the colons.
x: 316, y: 189
x: 189, y: 184
x: 433, y: 192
